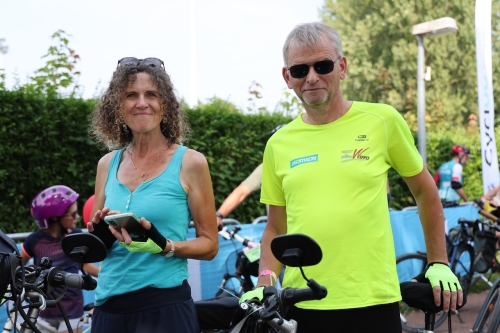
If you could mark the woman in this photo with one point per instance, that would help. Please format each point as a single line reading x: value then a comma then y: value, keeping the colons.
x: 55, y: 211
x: 143, y: 282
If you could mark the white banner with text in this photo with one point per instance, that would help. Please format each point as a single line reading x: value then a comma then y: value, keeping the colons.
x: 491, y: 176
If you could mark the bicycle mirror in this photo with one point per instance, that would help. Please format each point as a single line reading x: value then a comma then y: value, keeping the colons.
x: 84, y: 248
x: 296, y: 250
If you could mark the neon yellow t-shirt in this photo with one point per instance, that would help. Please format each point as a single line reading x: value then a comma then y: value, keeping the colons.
x: 332, y: 180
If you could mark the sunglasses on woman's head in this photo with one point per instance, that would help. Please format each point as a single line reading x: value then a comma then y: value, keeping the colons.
x: 321, y: 67
x: 131, y: 61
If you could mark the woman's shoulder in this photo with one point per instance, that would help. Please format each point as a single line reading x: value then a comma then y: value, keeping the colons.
x: 194, y: 155
x: 107, y: 158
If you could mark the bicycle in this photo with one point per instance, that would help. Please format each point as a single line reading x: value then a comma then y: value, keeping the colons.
x: 226, y: 315
x: 462, y: 257
x: 32, y: 284
x: 247, y: 265
x: 221, y: 315
x: 488, y: 319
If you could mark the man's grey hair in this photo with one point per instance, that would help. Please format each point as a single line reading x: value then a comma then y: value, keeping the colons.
x: 309, y: 35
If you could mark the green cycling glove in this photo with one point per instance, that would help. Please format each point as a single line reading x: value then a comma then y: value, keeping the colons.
x: 147, y: 246
x: 440, y: 275
x: 257, y: 293
x: 154, y: 242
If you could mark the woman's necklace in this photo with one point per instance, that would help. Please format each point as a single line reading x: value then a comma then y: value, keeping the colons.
x: 143, y: 174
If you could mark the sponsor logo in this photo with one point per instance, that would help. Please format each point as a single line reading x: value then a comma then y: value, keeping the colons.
x: 346, y: 156
x: 356, y: 154
x: 361, y: 137
x: 302, y: 160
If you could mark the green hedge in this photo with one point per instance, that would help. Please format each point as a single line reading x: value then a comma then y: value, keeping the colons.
x: 45, y: 141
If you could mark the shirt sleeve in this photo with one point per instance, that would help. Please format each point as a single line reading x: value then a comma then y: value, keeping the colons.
x: 456, y: 173
x: 272, y: 189
x: 254, y: 181
x: 402, y: 154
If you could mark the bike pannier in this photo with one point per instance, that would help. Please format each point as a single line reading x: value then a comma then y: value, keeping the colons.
x: 484, y: 249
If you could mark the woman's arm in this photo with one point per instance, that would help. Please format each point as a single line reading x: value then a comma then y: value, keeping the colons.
x: 91, y: 268
x: 195, y: 178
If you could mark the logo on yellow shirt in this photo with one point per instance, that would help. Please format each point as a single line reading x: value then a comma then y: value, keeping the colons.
x: 302, y: 160
x: 356, y: 154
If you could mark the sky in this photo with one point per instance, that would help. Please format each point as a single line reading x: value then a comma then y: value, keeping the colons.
x: 229, y: 45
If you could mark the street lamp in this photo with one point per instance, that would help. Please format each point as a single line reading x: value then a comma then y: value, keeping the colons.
x: 435, y: 28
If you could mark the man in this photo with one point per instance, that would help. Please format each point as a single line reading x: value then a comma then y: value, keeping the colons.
x: 449, y: 176
x: 240, y: 193
x: 248, y: 186
x: 325, y: 175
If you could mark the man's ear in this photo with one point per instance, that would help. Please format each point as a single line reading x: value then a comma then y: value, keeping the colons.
x: 343, y: 67
x: 286, y: 76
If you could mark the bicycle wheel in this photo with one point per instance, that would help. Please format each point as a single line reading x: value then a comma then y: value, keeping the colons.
x: 494, y: 326
x: 408, y: 266
x: 487, y: 318
x: 463, y: 266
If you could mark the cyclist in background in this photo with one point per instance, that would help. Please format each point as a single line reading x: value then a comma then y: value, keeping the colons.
x: 449, y: 176
x: 55, y: 211
x: 248, y: 186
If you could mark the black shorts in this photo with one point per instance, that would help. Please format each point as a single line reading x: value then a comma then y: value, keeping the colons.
x: 382, y: 318
x: 149, y: 310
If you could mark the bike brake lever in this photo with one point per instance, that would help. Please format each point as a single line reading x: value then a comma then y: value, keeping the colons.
x: 225, y: 234
x: 268, y: 316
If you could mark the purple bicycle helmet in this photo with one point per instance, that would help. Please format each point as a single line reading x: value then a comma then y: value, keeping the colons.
x: 52, y: 202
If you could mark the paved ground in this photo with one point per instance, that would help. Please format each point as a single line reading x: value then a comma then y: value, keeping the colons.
x: 468, y: 314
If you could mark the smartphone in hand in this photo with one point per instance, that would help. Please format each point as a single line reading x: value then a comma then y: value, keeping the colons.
x: 128, y: 221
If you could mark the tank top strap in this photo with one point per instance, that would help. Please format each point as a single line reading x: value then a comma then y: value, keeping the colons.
x: 115, y: 162
x: 176, y: 161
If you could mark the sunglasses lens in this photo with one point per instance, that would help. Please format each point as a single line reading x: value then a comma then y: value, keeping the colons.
x: 128, y: 61
x: 299, y: 71
x: 153, y: 62
x: 320, y: 67
x: 324, y: 66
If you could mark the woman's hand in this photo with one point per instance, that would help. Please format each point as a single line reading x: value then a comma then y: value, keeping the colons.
x: 100, y: 228
x: 122, y: 234
x: 154, y: 243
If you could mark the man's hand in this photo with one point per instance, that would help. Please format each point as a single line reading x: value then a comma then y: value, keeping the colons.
x: 445, y: 286
x: 257, y: 293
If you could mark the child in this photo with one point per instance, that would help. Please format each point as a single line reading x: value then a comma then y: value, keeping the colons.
x: 55, y: 211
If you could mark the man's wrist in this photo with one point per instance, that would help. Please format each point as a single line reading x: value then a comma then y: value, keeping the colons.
x: 219, y: 214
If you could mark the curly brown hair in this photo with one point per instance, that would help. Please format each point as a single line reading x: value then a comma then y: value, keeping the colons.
x: 107, y: 124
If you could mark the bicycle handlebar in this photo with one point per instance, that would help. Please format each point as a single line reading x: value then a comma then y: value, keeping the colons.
x: 58, y: 277
x: 290, y: 296
x: 233, y: 233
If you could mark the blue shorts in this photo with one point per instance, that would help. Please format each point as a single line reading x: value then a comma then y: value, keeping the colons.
x: 149, y: 310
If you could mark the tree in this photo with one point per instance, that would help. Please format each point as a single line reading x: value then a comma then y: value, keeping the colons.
x: 382, y: 56
x: 59, y: 71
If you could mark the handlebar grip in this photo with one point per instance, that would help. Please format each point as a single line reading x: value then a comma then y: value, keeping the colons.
x: 58, y: 277
x: 290, y: 296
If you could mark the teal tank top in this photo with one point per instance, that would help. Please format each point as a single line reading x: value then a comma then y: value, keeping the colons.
x: 163, y: 202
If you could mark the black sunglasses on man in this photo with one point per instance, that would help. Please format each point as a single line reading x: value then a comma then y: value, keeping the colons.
x: 321, y: 67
